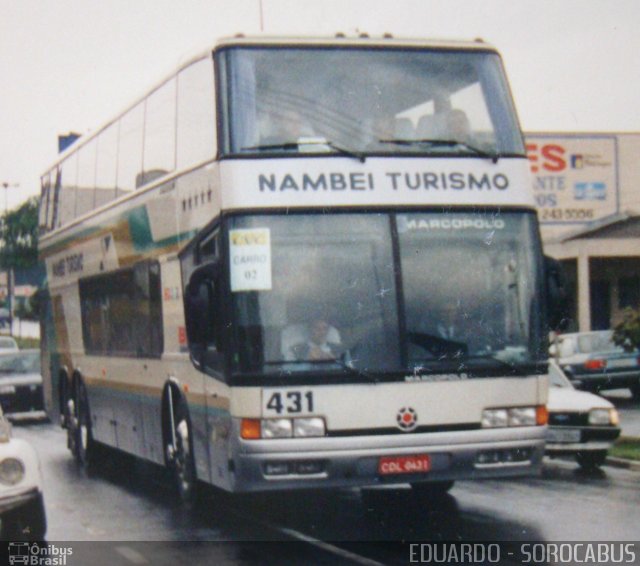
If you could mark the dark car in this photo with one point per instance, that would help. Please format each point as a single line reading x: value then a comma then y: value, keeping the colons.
x: 21, y: 384
x: 593, y: 362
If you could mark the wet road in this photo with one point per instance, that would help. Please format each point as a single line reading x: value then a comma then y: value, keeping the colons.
x: 129, y: 501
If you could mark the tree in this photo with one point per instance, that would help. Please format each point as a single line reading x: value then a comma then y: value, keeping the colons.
x: 627, y: 332
x: 19, y: 236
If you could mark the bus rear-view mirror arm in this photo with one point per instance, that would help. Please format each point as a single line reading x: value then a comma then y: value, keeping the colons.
x: 197, y: 307
x: 557, y: 294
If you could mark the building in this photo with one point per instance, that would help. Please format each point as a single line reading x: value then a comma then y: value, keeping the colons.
x: 587, y: 187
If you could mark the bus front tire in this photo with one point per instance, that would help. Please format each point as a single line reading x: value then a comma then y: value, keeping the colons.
x: 432, y: 490
x: 179, y: 453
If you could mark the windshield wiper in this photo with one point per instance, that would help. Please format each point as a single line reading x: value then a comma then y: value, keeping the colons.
x: 295, y: 145
x: 444, y: 143
x: 502, y: 363
x: 340, y: 361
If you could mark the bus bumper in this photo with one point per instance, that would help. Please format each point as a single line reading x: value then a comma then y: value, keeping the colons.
x: 267, y: 465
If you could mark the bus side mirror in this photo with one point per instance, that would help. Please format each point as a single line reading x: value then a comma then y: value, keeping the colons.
x: 199, y: 300
x: 557, y: 294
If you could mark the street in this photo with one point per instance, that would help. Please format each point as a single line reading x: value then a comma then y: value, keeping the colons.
x: 132, y: 501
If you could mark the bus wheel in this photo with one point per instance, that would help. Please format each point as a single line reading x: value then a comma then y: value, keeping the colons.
x: 179, y: 452
x: 71, y: 424
x: 84, y: 443
x: 432, y: 490
x: 33, y: 523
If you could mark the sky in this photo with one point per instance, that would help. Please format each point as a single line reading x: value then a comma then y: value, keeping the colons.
x: 70, y: 65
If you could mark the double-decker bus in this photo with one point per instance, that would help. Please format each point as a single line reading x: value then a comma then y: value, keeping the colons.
x: 303, y: 263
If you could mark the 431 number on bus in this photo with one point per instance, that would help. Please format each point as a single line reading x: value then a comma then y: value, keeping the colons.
x: 289, y: 402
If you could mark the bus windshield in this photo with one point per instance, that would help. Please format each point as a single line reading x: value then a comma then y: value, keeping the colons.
x: 306, y: 100
x: 384, y: 293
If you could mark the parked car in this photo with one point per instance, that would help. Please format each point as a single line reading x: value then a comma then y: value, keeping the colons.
x: 21, y: 384
x: 8, y: 344
x: 593, y: 362
x: 580, y: 423
x: 22, y: 512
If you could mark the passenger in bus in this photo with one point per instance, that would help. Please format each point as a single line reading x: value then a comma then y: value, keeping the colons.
x: 458, y: 127
x: 287, y: 126
x: 322, y: 343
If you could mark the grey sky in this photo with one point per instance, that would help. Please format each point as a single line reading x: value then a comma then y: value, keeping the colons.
x: 70, y: 64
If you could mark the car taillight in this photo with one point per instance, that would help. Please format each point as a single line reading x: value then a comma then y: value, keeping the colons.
x: 595, y: 364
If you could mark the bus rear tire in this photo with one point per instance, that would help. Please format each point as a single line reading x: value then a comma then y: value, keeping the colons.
x: 85, y: 446
x: 179, y: 452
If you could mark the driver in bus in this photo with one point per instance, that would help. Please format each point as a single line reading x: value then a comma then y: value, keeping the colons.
x: 320, y: 345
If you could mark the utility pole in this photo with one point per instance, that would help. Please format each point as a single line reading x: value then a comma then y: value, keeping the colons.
x: 261, y: 15
x: 6, y: 186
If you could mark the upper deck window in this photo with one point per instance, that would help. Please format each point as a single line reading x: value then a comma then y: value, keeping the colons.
x: 373, y: 101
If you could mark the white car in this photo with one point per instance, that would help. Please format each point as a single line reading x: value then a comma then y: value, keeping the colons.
x: 580, y: 423
x: 22, y: 513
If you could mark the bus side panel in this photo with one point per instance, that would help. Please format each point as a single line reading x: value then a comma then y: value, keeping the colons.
x: 48, y: 371
x: 219, y: 427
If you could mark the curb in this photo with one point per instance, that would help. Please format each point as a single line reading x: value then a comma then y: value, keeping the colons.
x: 633, y: 465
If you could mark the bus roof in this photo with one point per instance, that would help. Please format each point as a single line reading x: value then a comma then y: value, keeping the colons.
x: 362, y: 40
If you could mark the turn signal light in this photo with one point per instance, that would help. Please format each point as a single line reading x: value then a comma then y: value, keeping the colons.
x: 542, y: 415
x: 250, y: 429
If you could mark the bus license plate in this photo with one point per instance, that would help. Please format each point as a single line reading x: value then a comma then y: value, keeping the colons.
x: 418, y: 464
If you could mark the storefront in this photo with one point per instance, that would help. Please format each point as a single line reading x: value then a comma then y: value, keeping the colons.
x: 587, y: 187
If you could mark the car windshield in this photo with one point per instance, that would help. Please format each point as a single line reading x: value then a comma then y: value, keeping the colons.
x: 20, y: 363
x: 357, y: 101
x: 597, y: 342
x: 328, y: 291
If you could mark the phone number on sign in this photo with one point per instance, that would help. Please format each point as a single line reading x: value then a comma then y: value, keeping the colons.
x: 566, y: 214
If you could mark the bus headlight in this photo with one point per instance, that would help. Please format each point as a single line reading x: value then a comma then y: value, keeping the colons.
x: 277, y: 428
x: 599, y: 417
x: 11, y: 471
x: 308, y: 427
x: 256, y: 429
x: 494, y: 418
x: 522, y: 416
x: 514, y: 416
